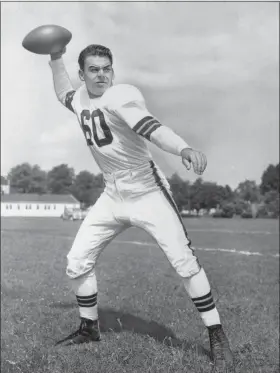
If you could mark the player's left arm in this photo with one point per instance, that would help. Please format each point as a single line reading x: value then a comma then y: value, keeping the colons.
x: 166, y: 139
x: 132, y: 109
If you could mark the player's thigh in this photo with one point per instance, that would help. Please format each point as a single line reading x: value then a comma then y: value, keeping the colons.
x: 158, y: 215
x: 96, y: 231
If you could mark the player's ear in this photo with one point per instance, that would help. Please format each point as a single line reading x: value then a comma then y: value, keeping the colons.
x: 81, y: 75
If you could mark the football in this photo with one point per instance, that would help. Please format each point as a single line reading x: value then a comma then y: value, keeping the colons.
x: 47, y: 39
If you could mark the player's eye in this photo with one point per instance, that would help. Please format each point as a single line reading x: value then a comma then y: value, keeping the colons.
x: 107, y: 69
x: 93, y: 70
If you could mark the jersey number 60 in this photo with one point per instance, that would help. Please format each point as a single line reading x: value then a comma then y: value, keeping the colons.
x: 108, y: 137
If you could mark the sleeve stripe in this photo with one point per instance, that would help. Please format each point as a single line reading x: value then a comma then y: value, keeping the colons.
x: 141, y: 122
x: 148, y: 134
x: 146, y: 127
x: 68, y: 100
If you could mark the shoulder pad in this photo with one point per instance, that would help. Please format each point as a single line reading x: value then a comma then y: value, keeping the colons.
x: 81, y: 96
x: 121, y: 94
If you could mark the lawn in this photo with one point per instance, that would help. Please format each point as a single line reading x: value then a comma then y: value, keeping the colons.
x: 148, y: 323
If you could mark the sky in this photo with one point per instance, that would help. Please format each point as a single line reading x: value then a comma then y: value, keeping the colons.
x: 209, y: 71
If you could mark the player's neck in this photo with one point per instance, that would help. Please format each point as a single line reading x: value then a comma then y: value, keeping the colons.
x: 92, y: 96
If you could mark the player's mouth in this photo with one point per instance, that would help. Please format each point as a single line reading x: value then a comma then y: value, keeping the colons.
x: 100, y: 83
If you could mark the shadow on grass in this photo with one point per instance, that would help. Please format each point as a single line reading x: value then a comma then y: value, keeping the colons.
x: 118, y: 321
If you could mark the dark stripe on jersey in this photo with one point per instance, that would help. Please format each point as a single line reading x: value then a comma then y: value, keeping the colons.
x: 146, y: 127
x: 169, y: 199
x: 148, y: 134
x: 141, y: 122
x: 149, y: 128
x: 68, y: 100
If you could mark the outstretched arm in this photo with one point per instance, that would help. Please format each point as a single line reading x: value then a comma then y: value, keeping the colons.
x: 129, y: 104
x: 166, y: 139
x: 62, y: 84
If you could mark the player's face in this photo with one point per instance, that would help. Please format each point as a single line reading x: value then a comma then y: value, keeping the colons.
x: 98, y: 75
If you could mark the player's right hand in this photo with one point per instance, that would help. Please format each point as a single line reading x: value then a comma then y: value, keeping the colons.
x: 57, y: 55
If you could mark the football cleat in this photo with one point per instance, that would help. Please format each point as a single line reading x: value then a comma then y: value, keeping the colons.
x: 88, y: 332
x: 221, y: 353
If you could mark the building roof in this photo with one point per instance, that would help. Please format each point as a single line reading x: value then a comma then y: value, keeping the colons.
x: 39, y: 198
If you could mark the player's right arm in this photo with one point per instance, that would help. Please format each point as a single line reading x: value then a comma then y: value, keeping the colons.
x: 62, y: 83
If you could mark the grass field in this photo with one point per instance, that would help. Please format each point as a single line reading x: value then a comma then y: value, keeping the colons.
x: 148, y: 323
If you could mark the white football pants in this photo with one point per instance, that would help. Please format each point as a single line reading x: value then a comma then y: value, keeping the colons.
x: 153, y: 210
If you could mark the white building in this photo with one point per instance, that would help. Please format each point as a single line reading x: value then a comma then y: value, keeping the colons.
x: 36, y: 205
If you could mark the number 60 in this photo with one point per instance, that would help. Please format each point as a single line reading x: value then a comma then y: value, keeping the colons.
x: 108, y: 137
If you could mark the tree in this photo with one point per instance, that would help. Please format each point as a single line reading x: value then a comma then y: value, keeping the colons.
x: 196, y: 191
x: 248, y: 191
x: 87, y: 187
x: 228, y: 193
x: 227, y: 210
x: 3, y: 180
x: 200, y: 194
x: 97, y: 187
x: 181, y: 191
x: 270, y: 179
x: 271, y: 200
x: 38, y: 181
x: 206, y: 195
x: 20, y: 178
x: 60, y: 179
x: 25, y: 178
x: 213, y: 195
x: 240, y: 206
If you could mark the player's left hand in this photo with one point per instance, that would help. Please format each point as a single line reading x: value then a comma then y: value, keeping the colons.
x: 195, y: 158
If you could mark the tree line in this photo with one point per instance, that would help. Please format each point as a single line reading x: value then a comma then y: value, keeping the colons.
x: 248, y: 200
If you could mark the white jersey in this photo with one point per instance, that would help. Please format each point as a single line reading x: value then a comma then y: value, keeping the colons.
x: 112, y: 124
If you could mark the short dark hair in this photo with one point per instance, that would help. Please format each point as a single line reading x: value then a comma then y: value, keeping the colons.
x: 94, y: 50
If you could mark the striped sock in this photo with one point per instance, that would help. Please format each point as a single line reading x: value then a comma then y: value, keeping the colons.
x: 198, y: 288
x: 207, y: 309
x: 85, y: 288
x: 88, y: 306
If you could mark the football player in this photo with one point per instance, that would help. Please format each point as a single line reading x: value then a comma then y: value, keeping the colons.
x: 116, y: 124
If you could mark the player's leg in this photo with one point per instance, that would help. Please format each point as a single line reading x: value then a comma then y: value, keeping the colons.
x: 163, y: 222
x: 96, y: 231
